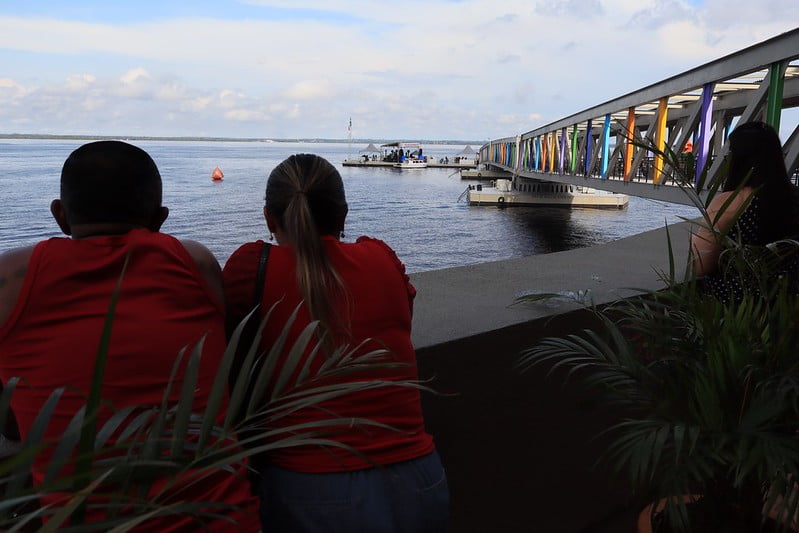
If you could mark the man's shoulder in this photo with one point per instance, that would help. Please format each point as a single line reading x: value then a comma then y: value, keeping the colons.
x: 197, y: 250
x: 13, y: 268
x: 12, y: 261
x: 208, y: 266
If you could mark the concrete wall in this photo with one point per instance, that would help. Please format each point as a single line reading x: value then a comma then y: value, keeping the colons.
x: 520, y: 449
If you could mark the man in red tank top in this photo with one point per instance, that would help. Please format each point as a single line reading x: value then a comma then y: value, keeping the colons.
x: 54, y: 297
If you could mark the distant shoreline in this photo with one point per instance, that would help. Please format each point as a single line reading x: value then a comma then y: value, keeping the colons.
x: 221, y: 139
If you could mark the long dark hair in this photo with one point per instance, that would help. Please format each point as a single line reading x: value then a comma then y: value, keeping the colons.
x: 305, y: 195
x: 756, y: 159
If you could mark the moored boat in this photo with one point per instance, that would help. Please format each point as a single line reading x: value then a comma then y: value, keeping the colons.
x: 404, y: 155
x: 411, y: 162
x: 533, y: 192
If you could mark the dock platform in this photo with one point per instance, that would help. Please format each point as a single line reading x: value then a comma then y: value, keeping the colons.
x: 389, y: 164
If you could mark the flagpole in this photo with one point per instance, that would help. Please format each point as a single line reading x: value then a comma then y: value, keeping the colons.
x: 349, y: 143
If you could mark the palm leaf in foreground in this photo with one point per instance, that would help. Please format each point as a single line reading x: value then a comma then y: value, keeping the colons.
x: 144, y: 458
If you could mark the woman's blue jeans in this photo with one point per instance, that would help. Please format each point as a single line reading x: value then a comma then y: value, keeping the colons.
x: 405, y: 497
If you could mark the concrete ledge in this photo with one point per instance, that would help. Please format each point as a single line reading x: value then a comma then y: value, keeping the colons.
x: 461, y: 302
x: 521, y: 450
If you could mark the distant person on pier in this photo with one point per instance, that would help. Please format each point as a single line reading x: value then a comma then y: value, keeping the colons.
x: 763, y: 209
x: 361, y: 294
x: 54, y: 297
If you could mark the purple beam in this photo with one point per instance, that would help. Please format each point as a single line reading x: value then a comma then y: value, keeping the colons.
x: 704, y: 130
x: 588, y: 142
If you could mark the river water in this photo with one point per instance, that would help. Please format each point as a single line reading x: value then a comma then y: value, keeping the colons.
x: 415, y: 211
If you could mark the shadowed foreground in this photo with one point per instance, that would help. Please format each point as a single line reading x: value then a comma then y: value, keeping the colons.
x: 520, y: 450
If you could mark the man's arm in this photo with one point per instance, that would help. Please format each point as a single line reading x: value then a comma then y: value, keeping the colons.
x: 209, y: 268
x: 13, y: 266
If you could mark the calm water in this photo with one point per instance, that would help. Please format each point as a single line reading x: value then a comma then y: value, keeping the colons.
x: 416, y: 212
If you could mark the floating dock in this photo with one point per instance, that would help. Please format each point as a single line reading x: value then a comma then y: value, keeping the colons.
x: 389, y: 164
x: 484, y: 174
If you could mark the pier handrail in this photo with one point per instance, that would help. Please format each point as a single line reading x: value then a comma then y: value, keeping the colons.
x: 690, y: 113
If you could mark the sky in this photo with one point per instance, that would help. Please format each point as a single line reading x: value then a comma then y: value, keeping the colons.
x: 416, y: 69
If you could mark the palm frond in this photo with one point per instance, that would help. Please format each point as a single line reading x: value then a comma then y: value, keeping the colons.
x: 709, y: 390
x: 142, y: 458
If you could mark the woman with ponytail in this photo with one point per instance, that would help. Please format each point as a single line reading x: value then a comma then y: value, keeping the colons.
x: 384, y: 476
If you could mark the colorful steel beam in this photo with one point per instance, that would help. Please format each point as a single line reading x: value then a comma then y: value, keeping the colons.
x: 588, y: 142
x: 774, y: 98
x: 629, y: 146
x: 574, y: 149
x: 705, y: 125
x: 605, y: 147
x: 660, y: 139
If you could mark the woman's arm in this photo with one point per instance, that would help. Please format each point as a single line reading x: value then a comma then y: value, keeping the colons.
x: 706, y: 244
x: 238, y: 278
x: 209, y: 268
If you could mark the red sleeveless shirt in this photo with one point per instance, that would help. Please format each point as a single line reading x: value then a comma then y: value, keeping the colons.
x: 379, y: 307
x: 51, y: 338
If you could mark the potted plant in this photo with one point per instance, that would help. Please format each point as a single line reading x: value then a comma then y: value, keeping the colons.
x: 709, y: 391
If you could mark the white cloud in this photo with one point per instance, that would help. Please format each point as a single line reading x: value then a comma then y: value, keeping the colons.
x: 309, y: 90
x: 136, y: 75
x: 473, y: 68
x: 80, y: 82
x: 9, y: 89
x: 171, y: 91
x: 228, y: 98
x: 245, y: 115
x: 573, y: 8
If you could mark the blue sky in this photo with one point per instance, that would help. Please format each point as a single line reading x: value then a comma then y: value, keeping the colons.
x: 467, y: 69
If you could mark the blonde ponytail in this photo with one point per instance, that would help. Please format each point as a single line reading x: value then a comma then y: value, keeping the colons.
x: 305, y: 193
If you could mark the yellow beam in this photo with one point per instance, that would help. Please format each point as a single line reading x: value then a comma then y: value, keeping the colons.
x: 660, y: 138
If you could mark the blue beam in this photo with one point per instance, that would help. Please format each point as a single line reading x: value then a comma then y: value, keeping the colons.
x: 605, y: 146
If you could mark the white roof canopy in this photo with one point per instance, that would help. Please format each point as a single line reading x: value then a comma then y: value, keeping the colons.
x: 369, y: 149
x: 467, y: 151
x: 401, y: 145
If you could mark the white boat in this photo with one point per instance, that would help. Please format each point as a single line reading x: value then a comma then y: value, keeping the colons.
x: 405, y: 155
x: 411, y: 162
x: 533, y: 192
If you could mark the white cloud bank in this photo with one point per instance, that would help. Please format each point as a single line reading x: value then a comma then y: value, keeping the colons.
x: 472, y: 69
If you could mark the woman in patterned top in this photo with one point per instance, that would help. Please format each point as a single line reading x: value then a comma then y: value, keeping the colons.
x: 757, y: 206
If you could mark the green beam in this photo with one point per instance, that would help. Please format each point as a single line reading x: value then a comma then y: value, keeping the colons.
x: 774, y: 98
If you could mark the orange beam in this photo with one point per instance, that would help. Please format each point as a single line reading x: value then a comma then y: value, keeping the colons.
x: 629, y: 147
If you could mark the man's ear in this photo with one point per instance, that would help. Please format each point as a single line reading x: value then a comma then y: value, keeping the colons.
x: 60, y: 216
x: 158, y: 219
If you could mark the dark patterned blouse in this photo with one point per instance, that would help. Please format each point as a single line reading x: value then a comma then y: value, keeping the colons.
x: 728, y: 283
